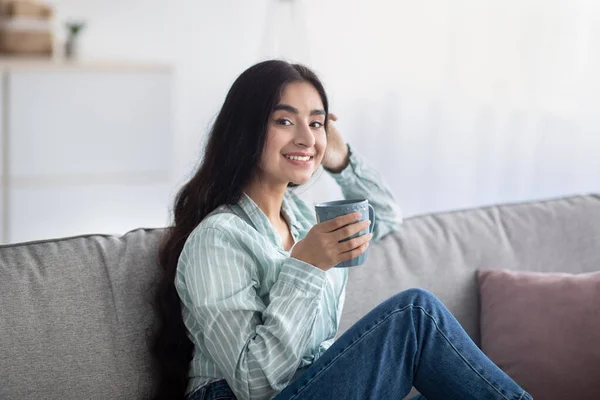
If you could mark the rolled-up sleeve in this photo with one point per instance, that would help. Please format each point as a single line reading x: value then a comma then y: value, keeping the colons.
x: 359, y: 180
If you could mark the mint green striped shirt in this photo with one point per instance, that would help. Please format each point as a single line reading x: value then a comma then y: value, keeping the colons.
x: 257, y: 316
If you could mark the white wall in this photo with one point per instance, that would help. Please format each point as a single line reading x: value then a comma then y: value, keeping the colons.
x: 458, y: 103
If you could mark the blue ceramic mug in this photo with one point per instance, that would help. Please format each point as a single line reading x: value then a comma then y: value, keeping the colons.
x: 332, y: 209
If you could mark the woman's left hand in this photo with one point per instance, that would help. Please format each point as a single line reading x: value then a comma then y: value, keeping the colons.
x: 336, y: 156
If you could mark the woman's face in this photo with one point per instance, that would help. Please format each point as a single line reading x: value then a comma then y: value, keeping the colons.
x: 296, y: 129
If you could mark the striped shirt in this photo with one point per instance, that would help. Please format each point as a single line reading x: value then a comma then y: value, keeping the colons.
x: 257, y: 316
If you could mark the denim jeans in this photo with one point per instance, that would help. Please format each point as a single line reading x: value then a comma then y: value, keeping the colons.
x: 411, y: 339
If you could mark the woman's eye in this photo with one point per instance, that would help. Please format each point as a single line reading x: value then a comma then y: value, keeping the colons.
x: 285, y: 122
x: 316, y: 124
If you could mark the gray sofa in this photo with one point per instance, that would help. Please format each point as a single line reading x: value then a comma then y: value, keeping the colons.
x: 75, y: 312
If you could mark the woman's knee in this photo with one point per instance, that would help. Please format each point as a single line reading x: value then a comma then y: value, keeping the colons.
x: 416, y: 296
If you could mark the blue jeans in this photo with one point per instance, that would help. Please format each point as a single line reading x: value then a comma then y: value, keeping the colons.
x: 411, y: 339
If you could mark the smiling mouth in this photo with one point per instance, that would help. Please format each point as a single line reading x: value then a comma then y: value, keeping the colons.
x: 299, y: 158
x: 304, y: 162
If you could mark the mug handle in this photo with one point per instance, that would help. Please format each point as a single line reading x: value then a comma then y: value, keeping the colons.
x: 371, y: 217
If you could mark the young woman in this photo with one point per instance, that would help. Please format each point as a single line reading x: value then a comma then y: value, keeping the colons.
x: 249, y: 301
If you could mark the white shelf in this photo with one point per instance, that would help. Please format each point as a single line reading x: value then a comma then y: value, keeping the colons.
x: 86, y: 148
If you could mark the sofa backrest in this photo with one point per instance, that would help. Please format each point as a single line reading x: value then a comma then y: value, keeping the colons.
x: 76, y: 312
x: 74, y: 317
x: 441, y: 253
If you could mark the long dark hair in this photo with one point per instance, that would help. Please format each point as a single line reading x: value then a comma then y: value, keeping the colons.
x: 233, y: 151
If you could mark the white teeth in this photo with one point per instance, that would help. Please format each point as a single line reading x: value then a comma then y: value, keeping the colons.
x: 298, y: 158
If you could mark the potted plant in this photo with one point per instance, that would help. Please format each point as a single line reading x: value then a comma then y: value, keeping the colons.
x: 73, y: 30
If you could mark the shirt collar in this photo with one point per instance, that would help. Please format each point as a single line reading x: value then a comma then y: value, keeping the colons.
x: 260, y: 221
x: 289, y: 213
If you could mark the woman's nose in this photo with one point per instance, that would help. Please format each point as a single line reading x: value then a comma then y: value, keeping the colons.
x: 305, y: 136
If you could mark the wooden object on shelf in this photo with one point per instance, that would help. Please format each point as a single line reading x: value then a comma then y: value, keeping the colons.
x: 25, y: 28
x: 24, y: 8
x: 26, y: 42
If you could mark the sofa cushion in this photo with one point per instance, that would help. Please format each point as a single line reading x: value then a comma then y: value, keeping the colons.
x: 75, y: 315
x: 543, y: 330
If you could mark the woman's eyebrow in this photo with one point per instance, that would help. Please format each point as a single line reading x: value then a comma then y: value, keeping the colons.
x: 287, y: 107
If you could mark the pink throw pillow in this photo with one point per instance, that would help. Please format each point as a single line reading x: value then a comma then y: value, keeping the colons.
x: 543, y: 330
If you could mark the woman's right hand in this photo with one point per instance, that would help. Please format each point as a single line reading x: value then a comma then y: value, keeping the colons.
x: 322, y: 248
